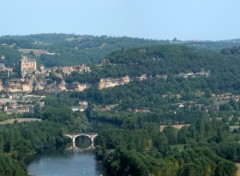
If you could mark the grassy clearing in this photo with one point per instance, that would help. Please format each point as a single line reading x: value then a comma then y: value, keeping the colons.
x: 37, y: 52
x: 180, y: 147
x: 19, y: 120
x: 238, y: 169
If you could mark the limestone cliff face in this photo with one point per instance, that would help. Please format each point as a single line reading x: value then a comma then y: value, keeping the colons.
x: 110, y: 82
x: 27, y: 87
x: 78, y: 87
x: 15, y: 87
x: 1, y: 86
x: 62, y: 87
x: 39, y: 87
x: 81, y: 87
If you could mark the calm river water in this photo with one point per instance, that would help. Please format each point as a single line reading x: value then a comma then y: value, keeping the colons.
x: 67, y: 163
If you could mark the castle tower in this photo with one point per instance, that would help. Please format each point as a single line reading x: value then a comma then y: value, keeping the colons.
x: 27, y: 66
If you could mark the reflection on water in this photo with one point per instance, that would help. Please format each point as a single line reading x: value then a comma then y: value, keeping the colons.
x: 68, y: 163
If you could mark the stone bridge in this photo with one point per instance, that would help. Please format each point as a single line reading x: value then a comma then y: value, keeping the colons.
x: 91, y: 136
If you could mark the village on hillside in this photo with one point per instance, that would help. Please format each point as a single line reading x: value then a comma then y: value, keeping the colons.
x: 20, y: 92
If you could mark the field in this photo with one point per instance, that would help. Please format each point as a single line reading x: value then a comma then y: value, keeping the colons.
x: 19, y: 120
x: 174, y: 126
x: 37, y: 52
x: 180, y: 147
x: 238, y: 171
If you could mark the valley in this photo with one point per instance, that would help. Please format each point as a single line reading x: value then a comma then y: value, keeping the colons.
x: 158, y: 107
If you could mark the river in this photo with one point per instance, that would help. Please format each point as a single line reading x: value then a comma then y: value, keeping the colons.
x: 66, y: 163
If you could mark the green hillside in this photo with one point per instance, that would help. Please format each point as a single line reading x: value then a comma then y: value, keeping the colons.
x: 71, y: 49
x: 166, y: 59
x: 213, y: 73
x: 9, y: 56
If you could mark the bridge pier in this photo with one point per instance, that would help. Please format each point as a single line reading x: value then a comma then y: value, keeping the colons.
x: 92, y: 144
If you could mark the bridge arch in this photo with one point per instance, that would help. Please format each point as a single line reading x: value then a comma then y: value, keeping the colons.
x: 92, y: 136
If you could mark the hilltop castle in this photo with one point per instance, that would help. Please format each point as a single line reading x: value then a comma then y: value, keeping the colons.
x: 27, y: 66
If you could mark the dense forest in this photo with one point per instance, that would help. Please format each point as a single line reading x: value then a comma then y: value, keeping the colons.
x: 204, y: 148
x: 231, y: 51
